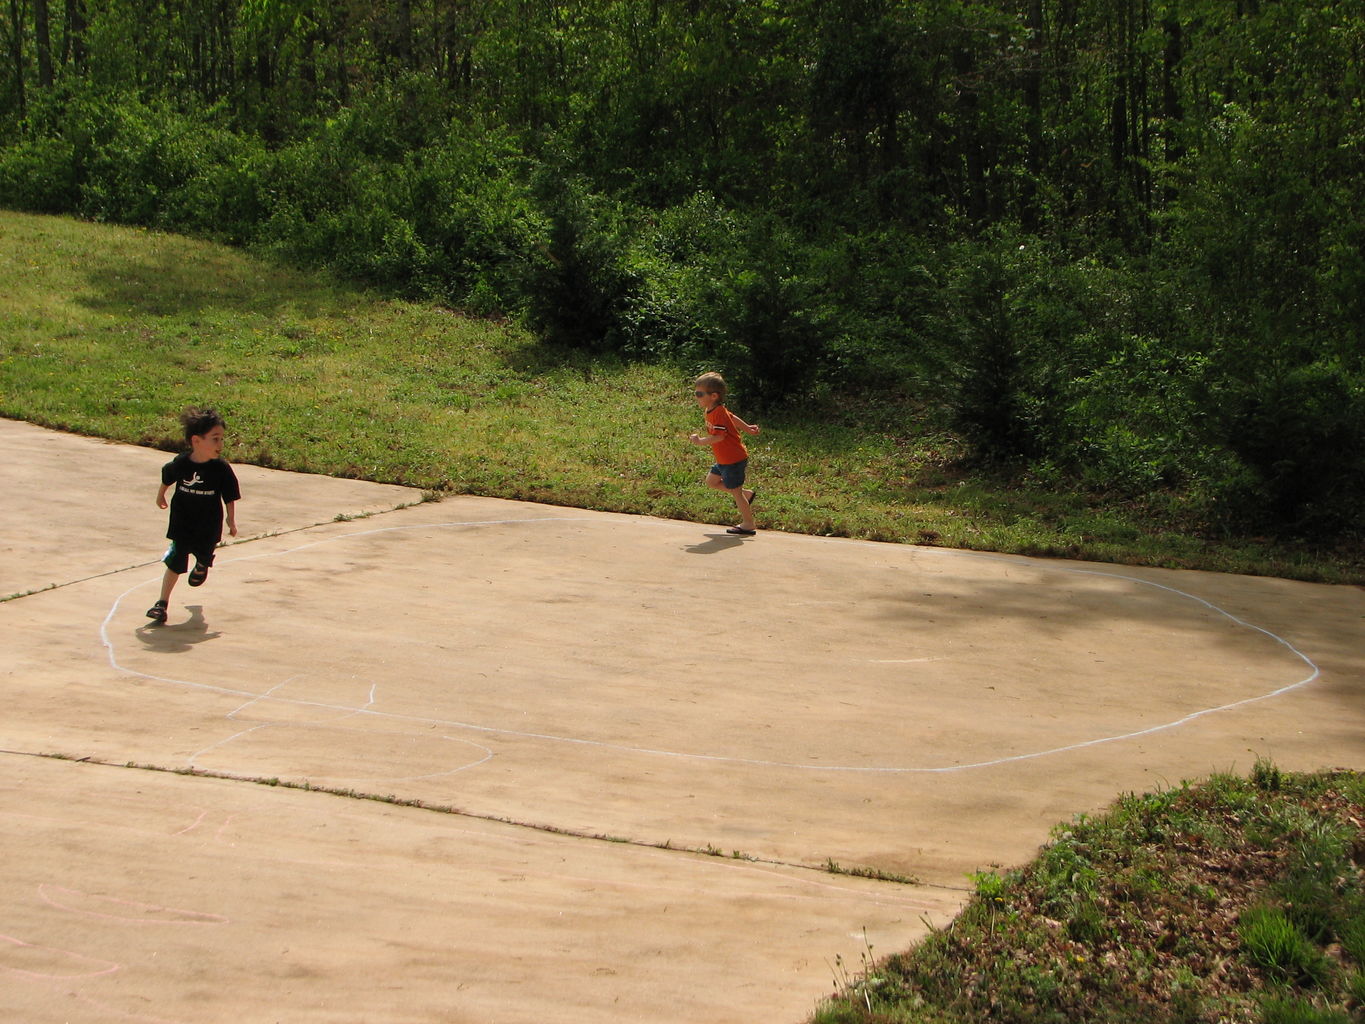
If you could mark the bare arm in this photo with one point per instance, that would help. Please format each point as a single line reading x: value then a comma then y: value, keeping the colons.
x: 232, y: 517
x: 161, y: 496
x: 748, y: 428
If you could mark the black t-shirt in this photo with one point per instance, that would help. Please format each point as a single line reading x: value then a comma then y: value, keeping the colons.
x: 201, y: 488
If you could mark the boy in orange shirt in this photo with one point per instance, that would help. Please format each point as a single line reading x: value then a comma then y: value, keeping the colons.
x: 732, y: 459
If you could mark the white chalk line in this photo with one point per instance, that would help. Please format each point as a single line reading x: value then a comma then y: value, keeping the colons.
x: 1314, y: 672
x: 269, y: 695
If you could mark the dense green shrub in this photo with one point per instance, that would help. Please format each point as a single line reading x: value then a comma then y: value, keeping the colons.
x: 1299, y: 436
x: 1134, y: 420
x: 117, y: 158
x: 1008, y: 342
x: 39, y: 175
x: 1117, y: 247
x: 451, y: 222
x: 579, y: 287
x: 679, y: 260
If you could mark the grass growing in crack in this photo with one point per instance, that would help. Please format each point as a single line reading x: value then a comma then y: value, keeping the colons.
x: 304, y: 785
x: 1170, y: 908
x: 876, y: 874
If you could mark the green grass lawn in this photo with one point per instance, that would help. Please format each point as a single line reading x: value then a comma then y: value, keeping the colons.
x: 111, y: 331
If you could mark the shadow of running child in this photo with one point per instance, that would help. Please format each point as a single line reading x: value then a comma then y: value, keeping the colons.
x: 718, y: 542
x: 180, y: 637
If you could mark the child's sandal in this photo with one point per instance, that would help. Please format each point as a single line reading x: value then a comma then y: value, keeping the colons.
x: 157, y: 612
x: 199, y: 574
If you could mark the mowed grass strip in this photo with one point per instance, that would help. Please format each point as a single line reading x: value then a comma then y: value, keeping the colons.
x: 111, y: 331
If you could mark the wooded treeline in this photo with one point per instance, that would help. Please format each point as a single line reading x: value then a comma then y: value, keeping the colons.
x: 1120, y: 243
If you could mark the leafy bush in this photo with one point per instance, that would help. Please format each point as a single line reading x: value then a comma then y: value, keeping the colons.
x: 138, y: 157
x: 1010, y: 329
x: 1133, y: 421
x: 678, y: 260
x: 450, y: 222
x: 1299, y: 435
x: 579, y: 286
x: 39, y: 175
x: 775, y: 317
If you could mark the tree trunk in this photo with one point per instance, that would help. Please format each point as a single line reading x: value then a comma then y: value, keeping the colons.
x: 42, y: 42
x: 73, y: 35
x: 16, y: 50
x: 403, y: 44
x: 1033, y: 104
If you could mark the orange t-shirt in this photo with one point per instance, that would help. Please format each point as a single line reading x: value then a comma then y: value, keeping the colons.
x: 729, y: 449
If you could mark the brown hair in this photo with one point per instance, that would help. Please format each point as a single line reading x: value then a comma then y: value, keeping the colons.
x: 712, y: 382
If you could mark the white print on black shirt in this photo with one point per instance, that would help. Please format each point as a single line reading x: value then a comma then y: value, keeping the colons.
x: 187, y: 487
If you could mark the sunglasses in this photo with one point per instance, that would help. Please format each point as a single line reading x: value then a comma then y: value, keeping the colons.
x: 701, y: 394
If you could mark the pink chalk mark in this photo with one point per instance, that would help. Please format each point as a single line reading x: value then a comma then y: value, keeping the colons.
x: 218, y: 836
x: 192, y: 825
x: 109, y: 908
x: 49, y: 963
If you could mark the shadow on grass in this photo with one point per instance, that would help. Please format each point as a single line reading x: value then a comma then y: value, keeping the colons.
x: 165, y: 283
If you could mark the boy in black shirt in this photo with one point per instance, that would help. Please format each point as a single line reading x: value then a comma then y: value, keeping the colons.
x: 204, y: 485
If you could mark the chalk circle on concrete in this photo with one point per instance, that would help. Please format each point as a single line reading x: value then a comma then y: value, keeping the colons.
x: 411, y: 651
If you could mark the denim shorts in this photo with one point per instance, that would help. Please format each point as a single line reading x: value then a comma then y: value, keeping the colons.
x: 731, y: 474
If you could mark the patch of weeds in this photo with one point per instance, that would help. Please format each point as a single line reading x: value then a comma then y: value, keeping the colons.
x: 1314, y: 893
x: 1356, y: 987
x: 1172, y: 908
x: 990, y: 887
x: 861, y: 984
x: 1087, y: 923
x: 1279, y: 947
x: 1299, y: 1011
x: 991, y: 896
x: 1066, y: 875
x: 1352, y: 932
x: 1265, y: 776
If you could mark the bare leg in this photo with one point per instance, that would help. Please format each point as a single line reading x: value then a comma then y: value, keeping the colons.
x: 168, y: 582
x: 741, y: 496
x: 746, y: 515
x: 157, y: 612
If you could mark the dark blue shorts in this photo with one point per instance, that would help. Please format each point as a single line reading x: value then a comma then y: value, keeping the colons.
x: 731, y: 474
x: 177, y: 557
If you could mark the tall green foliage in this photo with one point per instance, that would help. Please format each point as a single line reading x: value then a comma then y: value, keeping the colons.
x: 1115, y: 241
